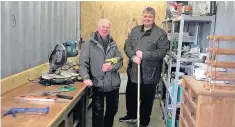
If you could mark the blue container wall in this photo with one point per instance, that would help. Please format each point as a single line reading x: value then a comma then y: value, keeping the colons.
x: 30, y: 30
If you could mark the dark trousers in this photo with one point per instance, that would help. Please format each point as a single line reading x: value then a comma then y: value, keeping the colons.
x: 98, y: 118
x: 147, y: 95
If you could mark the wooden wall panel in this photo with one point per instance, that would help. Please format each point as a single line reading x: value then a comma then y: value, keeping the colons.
x: 123, y: 16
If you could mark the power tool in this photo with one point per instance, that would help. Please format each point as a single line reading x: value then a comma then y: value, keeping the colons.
x: 114, y: 60
x: 57, y: 59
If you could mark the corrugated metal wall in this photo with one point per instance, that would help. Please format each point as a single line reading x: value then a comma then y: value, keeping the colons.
x: 30, y: 30
x: 225, y: 25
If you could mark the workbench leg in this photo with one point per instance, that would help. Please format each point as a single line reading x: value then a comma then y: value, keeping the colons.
x: 69, y: 120
x: 66, y: 121
x: 84, y: 108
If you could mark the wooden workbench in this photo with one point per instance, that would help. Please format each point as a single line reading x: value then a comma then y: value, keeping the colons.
x: 62, y: 112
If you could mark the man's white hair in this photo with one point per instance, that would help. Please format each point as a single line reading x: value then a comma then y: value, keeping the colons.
x: 103, y: 21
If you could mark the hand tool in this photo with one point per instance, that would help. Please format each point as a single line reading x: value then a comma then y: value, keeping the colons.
x: 52, y: 93
x: 44, y: 96
x: 13, y: 111
x: 36, y: 98
x: 49, y: 95
x: 113, y: 60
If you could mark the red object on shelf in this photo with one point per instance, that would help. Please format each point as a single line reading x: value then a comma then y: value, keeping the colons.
x: 179, y: 8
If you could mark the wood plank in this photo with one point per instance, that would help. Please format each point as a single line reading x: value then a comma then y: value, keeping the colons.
x: 222, y: 76
x: 220, y: 64
x: 183, y: 121
x: 191, y: 110
x: 213, y: 75
x: 221, y: 51
x: 187, y: 116
x: 221, y: 38
x: 16, y: 80
x: 218, y: 73
x: 225, y: 86
x: 190, y: 101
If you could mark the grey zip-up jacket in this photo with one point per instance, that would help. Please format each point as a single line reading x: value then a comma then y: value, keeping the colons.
x: 154, y: 45
x: 93, y: 56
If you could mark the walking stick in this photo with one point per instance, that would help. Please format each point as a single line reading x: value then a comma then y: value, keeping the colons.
x: 138, y: 108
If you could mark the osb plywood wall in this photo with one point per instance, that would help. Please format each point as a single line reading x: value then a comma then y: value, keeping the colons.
x: 123, y: 16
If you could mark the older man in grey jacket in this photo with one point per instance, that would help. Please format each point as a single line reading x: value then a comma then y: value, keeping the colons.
x: 101, y: 75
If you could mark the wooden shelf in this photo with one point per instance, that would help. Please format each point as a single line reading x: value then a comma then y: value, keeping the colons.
x: 194, y: 18
x: 222, y: 76
x: 220, y: 64
x: 224, y: 86
x: 221, y: 51
x: 214, y: 73
x: 221, y: 38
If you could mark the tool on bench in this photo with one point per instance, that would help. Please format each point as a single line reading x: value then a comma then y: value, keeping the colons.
x: 48, y: 95
x: 13, y: 111
x: 43, y: 96
x: 58, y: 59
x: 36, y: 98
x: 67, y: 88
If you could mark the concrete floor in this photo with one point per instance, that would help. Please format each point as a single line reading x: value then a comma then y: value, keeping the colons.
x: 156, y: 117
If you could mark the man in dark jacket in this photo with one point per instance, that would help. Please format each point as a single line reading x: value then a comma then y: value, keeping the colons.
x: 146, y: 45
x: 102, y: 76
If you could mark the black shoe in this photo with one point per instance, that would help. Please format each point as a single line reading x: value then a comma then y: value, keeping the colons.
x: 128, y: 119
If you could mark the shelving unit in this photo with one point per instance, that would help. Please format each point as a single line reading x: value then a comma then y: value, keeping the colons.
x: 171, y: 100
